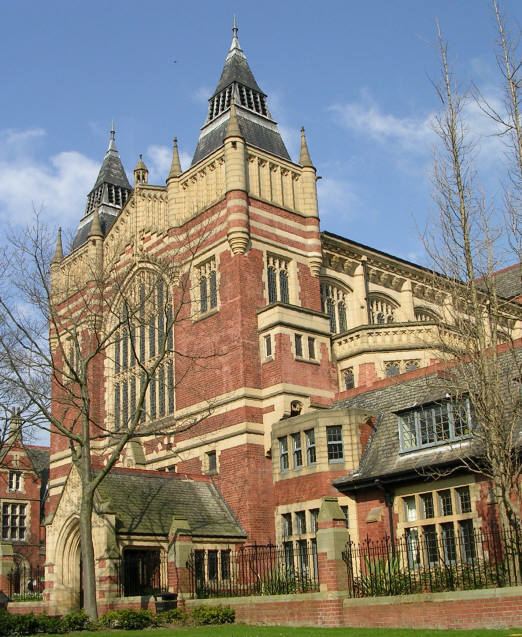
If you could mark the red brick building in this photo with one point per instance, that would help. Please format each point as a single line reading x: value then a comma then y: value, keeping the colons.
x: 275, y: 322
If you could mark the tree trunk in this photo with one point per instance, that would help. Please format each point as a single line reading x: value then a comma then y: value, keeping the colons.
x: 87, y: 553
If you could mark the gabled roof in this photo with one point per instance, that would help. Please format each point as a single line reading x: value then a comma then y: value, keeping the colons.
x: 145, y: 502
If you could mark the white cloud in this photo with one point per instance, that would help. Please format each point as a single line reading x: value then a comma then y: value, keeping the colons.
x: 337, y: 199
x: 414, y: 137
x: 159, y: 159
x: 57, y: 186
x: 366, y: 118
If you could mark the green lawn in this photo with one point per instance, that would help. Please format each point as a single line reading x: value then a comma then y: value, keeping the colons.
x: 235, y: 630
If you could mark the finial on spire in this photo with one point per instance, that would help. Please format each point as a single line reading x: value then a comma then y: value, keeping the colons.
x: 112, y: 139
x: 175, y: 166
x: 235, y: 40
x: 95, y: 230
x: 233, y: 129
x: 58, y: 252
x: 304, y: 155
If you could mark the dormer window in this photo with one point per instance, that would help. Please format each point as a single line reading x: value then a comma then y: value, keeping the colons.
x: 435, y: 424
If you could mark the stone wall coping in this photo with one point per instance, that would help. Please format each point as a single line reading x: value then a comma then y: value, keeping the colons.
x: 267, y: 599
x: 448, y: 596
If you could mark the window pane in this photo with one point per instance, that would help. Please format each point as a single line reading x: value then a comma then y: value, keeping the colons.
x: 299, y: 345
x: 410, y: 509
x: 448, y: 542
x: 464, y: 499
x: 213, y: 289
x: 310, y: 446
x: 330, y: 310
x: 283, y: 454
x: 430, y: 540
x: 283, y: 284
x: 334, y: 438
x: 342, y: 316
x: 203, y: 300
x: 467, y: 540
x: 428, y: 510
x: 311, y: 347
x: 349, y: 379
x: 298, y: 456
x: 408, y: 431
x: 446, y: 506
x: 272, y: 287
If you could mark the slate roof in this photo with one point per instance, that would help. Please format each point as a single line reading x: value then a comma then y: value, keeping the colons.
x: 106, y: 221
x: 236, y: 69
x: 112, y: 171
x: 509, y: 281
x: 144, y: 503
x: 255, y: 134
x: 382, y: 458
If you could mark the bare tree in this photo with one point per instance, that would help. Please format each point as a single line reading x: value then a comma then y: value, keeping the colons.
x: 94, y: 331
x: 476, y: 332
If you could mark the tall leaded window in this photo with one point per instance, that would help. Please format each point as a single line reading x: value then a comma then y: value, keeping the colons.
x: 277, y: 279
x: 334, y: 300
x: 435, y: 424
x: 207, y: 284
x: 143, y: 350
x: 382, y: 309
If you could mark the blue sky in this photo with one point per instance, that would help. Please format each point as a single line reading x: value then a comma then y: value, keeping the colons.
x: 358, y: 75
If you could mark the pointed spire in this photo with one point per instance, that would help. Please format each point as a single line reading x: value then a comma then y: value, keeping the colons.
x: 175, y: 166
x: 58, y: 252
x: 112, y: 138
x: 234, y: 46
x: 233, y: 129
x: 95, y: 230
x: 304, y: 155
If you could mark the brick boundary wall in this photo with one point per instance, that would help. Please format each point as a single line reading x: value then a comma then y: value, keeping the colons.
x: 489, y: 608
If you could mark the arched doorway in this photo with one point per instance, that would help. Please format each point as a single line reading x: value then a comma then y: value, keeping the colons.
x: 68, y: 560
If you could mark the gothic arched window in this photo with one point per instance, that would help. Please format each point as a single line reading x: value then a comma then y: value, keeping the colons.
x: 144, y: 352
x: 277, y: 278
x: 382, y: 309
x: 426, y: 314
x: 334, y: 299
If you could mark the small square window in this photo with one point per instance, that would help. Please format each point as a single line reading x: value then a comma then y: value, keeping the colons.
x: 298, y: 346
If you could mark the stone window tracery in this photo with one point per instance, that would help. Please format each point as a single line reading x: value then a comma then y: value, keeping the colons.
x: 334, y: 300
x: 382, y: 310
x: 425, y: 314
x: 144, y: 344
x: 207, y: 284
x: 277, y: 276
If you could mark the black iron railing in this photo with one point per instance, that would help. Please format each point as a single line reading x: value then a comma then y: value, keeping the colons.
x: 26, y: 582
x: 255, y: 570
x: 433, y: 559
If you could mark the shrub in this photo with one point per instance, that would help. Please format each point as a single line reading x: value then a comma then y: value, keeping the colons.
x: 127, y: 619
x: 75, y: 620
x: 213, y: 615
x: 51, y: 625
x: 174, y: 616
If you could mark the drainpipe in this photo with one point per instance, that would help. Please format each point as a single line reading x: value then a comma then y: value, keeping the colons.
x: 366, y: 288
x: 388, y: 501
